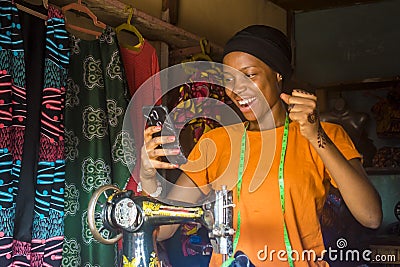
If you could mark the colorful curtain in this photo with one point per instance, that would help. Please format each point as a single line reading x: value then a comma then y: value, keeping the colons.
x: 98, y: 151
x: 33, y: 67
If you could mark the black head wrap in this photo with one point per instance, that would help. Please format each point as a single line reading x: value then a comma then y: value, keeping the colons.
x: 265, y: 43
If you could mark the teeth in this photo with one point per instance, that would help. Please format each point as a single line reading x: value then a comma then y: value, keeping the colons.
x: 246, y: 101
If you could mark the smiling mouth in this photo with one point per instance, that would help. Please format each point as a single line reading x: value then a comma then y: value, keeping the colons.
x: 246, y: 102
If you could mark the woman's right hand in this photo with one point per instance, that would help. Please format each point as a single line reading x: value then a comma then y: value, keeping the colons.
x: 151, y: 153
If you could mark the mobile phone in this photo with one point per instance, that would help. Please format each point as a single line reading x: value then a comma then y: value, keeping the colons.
x: 159, y: 116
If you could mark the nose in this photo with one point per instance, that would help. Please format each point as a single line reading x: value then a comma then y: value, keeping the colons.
x: 234, y: 89
x: 238, y: 89
x: 242, y: 84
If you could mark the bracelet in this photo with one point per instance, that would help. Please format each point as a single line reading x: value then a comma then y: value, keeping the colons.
x: 158, y: 191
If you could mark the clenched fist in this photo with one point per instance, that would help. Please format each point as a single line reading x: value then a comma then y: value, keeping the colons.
x: 302, y: 107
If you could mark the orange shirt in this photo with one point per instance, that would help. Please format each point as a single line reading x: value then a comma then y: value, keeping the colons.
x: 214, y: 162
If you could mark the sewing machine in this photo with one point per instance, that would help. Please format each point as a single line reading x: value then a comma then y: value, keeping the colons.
x: 114, y: 214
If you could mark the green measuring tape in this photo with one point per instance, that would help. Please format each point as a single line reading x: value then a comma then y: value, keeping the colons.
x: 281, y: 192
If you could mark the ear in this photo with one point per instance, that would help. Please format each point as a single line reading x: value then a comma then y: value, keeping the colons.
x: 278, y: 77
x: 279, y: 82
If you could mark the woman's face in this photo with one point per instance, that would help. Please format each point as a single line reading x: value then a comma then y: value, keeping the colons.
x: 254, y: 88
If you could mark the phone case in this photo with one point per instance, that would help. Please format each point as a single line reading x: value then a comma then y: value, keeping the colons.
x: 159, y: 116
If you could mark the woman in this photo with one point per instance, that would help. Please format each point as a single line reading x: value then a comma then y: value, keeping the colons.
x: 284, y: 182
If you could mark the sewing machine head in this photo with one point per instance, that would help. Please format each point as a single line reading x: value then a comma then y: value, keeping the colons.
x: 114, y: 214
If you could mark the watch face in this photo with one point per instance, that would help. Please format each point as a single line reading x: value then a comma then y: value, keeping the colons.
x: 397, y: 210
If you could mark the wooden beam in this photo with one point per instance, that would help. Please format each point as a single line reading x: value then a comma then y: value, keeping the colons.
x: 113, y: 13
x: 186, y: 52
x: 310, y: 5
x: 366, y: 84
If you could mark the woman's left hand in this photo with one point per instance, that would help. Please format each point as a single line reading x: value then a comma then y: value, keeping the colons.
x: 302, y: 107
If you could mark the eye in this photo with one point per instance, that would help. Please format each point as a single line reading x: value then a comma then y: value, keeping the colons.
x: 251, y: 75
x: 228, y: 79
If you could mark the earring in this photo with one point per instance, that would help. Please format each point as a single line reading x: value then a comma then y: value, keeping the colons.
x: 279, y: 77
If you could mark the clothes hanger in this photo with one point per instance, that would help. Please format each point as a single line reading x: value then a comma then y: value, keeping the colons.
x: 33, y: 12
x: 127, y: 26
x: 203, y: 56
x: 78, y: 6
x: 205, y: 51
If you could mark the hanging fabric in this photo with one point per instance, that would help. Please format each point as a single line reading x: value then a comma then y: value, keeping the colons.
x: 98, y: 151
x: 201, y: 98
x: 140, y: 66
x: 194, y: 102
x: 33, y: 67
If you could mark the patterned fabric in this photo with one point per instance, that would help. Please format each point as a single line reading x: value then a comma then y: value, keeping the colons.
x: 31, y: 202
x: 97, y: 98
x: 194, y: 102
